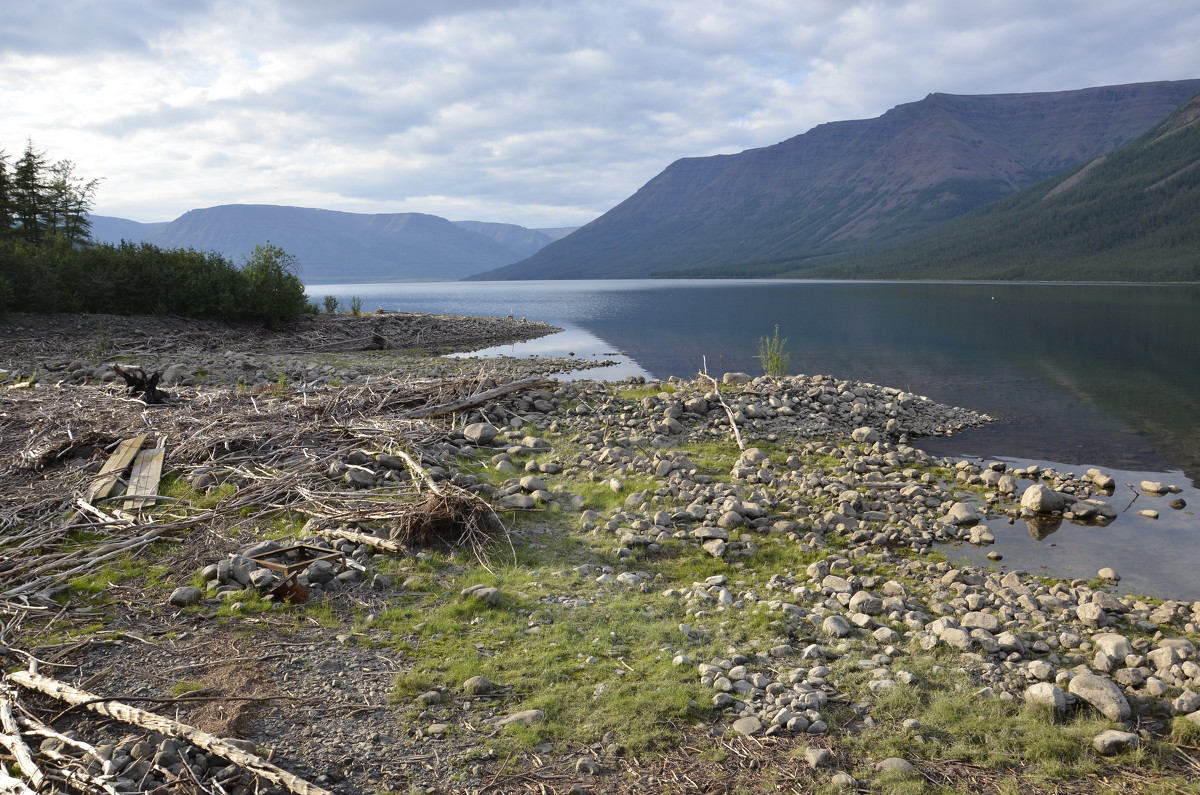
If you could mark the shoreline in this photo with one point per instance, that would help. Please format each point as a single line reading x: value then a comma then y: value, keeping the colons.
x: 766, y: 574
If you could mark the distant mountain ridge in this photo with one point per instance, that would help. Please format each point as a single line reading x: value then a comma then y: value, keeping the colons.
x: 333, y: 246
x: 1129, y: 215
x: 852, y: 185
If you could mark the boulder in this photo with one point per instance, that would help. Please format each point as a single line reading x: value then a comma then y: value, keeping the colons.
x: 1049, y: 694
x: 1040, y: 498
x: 865, y: 435
x: 963, y: 513
x: 866, y: 602
x: 835, y: 626
x: 1112, y: 741
x: 487, y: 594
x: 185, y: 596
x: 1102, y: 694
x: 1116, y: 647
x: 480, y: 433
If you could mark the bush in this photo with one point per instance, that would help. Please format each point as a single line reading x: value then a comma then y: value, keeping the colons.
x: 356, y: 306
x: 331, y: 305
x: 772, y: 352
x: 276, y: 294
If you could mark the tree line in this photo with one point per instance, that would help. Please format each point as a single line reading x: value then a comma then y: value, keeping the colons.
x: 49, y: 262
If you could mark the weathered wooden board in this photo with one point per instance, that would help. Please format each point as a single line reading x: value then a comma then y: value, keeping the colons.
x: 103, y: 485
x: 143, y: 481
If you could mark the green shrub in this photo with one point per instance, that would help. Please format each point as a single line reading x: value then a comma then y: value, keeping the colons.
x: 772, y: 353
x: 331, y: 305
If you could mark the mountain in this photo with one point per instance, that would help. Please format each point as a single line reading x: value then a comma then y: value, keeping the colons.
x: 518, y: 239
x: 1130, y: 215
x: 108, y: 229
x: 333, y: 246
x: 846, y: 186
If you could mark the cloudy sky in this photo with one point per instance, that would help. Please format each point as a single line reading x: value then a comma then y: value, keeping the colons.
x: 536, y: 112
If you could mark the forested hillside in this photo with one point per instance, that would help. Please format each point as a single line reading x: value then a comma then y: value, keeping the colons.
x: 1133, y: 215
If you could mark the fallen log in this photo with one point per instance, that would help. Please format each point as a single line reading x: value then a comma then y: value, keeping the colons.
x: 157, y: 723
x: 474, y: 400
x: 362, y: 538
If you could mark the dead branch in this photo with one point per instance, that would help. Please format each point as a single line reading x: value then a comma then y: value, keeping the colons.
x: 737, y: 435
x: 10, y: 738
x: 474, y: 400
x: 157, y: 723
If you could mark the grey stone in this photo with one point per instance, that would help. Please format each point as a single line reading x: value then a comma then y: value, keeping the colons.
x: 262, y: 579
x: 319, y: 571
x: 843, y: 780
x: 1186, y: 703
x: 587, y: 766
x: 527, y: 717
x: 963, y: 513
x: 478, y: 686
x: 184, y: 596
x: 817, y: 757
x: 1049, y: 694
x: 1102, y: 694
x: 531, y: 483
x: 1117, y: 647
x: 865, y: 435
x: 487, y: 594
x: 736, y: 378
x: 866, y: 602
x: 748, y: 725
x: 1040, y: 498
x: 480, y: 433
x: 517, y: 501
x: 1091, y: 614
x: 1112, y: 741
x: 977, y: 620
x: 835, y: 626
x: 895, y: 764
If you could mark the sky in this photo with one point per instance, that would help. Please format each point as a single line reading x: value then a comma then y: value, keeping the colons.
x: 543, y: 113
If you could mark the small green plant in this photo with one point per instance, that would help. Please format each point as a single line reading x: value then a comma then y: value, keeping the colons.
x: 332, y: 305
x: 773, y: 354
x: 356, y: 306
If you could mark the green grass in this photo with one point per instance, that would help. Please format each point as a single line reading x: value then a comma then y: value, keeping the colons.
x: 118, y: 571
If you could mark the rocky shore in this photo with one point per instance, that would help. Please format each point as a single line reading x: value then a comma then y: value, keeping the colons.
x: 691, y: 575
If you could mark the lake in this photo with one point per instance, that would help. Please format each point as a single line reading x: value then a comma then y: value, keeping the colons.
x: 1075, y: 375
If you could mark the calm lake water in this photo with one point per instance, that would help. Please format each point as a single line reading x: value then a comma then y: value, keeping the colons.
x: 1076, y: 375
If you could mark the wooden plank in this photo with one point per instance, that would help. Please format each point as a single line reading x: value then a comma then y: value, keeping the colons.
x: 103, y: 485
x: 143, y: 481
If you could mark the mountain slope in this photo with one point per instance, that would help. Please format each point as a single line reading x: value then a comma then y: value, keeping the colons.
x: 333, y: 246
x: 521, y: 241
x: 848, y: 184
x: 1127, y: 216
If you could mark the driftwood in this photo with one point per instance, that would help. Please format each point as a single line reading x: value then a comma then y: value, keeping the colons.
x: 737, y: 435
x: 362, y: 538
x: 157, y: 723
x: 10, y: 738
x: 474, y: 400
x: 142, y: 386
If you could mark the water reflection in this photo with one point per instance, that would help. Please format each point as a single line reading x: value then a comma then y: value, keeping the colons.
x: 1042, y: 526
x: 1107, y: 373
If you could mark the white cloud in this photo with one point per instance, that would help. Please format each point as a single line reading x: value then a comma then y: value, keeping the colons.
x: 540, y: 112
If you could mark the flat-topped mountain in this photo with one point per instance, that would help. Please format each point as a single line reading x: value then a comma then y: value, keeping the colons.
x: 332, y: 246
x: 852, y: 185
x: 1129, y: 215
